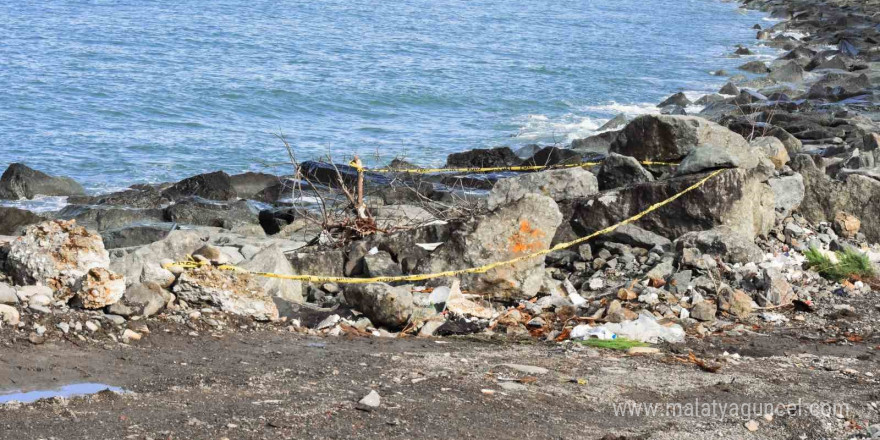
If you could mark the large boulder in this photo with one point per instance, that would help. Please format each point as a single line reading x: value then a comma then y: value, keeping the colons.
x: 145, y: 263
x: 100, y: 288
x: 838, y: 86
x: 142, y: 197
x: 773, y: 148
x: 668, y: 138
x: 722, y: 241
x: 520, y: 228
x: 712, y: 157
x: 247, y: 185
x: 273, y: 260
x: 733, y: 198
x: 144, y: 299
x: 479, y: 158
x: 135, y: 235
x: 556, y: 184
x: 824, y: 197
x: 202, y: 212
x: 678, y: 99
x: 13, y: 220
x: 234, y: 292
x: 385, y: 305
x: 787, y: 71
x: 59, y: 254
x: 212, y: 186
x: 788, y: 192
x: 103, y: 217
x: 755, y: 67
x: 554, y: 156
x: 599, y: 143
x: 21, y: 182
x: 618, y: 170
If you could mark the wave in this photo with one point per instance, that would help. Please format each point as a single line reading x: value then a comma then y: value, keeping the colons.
x: 614, y: 108
x: 540, y: 128
x: 37, y: 204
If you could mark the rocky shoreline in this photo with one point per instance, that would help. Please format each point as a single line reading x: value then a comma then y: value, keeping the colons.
x: 798, y: 139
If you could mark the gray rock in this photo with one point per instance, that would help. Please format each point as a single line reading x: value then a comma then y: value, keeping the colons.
x: 7, y: 294
x: 145, y: 299
x: 704, y: 311
x: 788, y: 192
x: 712, y: 98
x: 773, y: 148
x: 755, y: 67
x: 100, y: 217
x: 671, y: 138
x: 380, y: 264
x: 599, y: 143
x: 385, y: 305
x: 792, y: 144
x: 21, y: 182
x: 712, y: 158
x: 732, y: 198
x: 247, y: 185
x: 144, y: 264
x: 135, y: 235
x: 617, y: 170
x: 273, y: 260
x: 13, y: 220
x: 493, y: 157
x: 313, y: 262
x: 724, y: 242
x: 553, y: 156
x: 635, y: 236
x: 557, y: 184
x: 661, y: 270
x: 678, y: 99
x: 825, y: 197
x: 838, y: 86
x: 371, y: 400
x: 508, y: 232
x: 211, y: 186
x: 202, y: 212
x: 58, y: 254
x: 527, y: 369
x: 615, y: 123
x: 234, y: 292
x: 673, y: 110
x: 748, y: 96
x: 788, y: 71
x: 777, y: 289
x: 729, y: 89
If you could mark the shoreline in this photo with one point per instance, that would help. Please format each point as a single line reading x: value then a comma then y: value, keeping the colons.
x: 755, y: 279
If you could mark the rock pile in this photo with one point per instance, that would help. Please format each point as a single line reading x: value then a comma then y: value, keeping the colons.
x: 799, y: 177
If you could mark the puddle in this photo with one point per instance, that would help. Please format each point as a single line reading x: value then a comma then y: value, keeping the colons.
x: 67, y: 391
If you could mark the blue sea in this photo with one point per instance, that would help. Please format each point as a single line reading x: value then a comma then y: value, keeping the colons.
x: 117, y: 92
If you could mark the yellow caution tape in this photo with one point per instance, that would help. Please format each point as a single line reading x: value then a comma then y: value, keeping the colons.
x: 453, y: 273
x: 492, y: 169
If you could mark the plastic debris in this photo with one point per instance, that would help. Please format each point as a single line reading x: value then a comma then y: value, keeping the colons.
x: 585, y: 331
x: 646, y: 329
x: 430, y: 247
x: 439, y: 295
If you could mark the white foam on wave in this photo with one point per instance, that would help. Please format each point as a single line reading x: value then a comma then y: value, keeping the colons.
x: 615, y: 108
x: 566, y: 128
x: 38, y: 203
x: 794, y: 34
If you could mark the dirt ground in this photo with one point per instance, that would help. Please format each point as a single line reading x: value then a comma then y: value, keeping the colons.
x: 271, y: 384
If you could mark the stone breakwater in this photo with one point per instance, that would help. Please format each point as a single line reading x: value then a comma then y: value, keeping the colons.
x: 797, y: 136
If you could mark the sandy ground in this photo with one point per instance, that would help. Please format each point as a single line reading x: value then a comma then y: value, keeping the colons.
x: 270, y: 384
